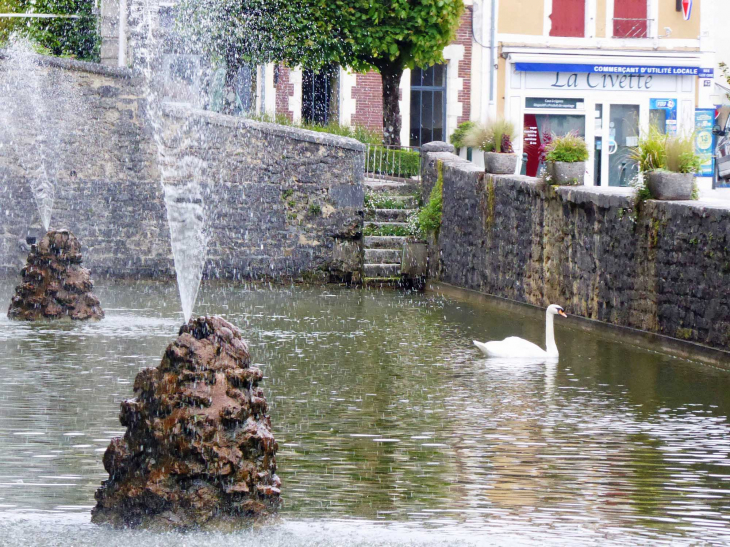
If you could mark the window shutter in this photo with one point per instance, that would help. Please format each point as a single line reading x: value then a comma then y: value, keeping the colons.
x: 568, y: 18
x: 629, y: 19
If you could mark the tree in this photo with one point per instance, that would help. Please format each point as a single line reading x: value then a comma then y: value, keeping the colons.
x: 60, y: 36
x: 384, y: 35
x: 391, y: 36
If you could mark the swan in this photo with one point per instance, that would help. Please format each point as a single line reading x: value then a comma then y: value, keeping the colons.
x: 517, y: 348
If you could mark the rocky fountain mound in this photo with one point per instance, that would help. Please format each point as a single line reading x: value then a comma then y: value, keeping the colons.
x: 55, y: 286
x: 198, y: 450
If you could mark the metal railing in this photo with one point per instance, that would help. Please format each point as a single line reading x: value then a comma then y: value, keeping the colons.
x: 631, y: 28
x: 392, y: 162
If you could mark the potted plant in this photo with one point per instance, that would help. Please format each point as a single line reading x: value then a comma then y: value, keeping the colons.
x: 668, y: 163
x: 566, y: 157
x: 457, y: 137
x: 495, y: 139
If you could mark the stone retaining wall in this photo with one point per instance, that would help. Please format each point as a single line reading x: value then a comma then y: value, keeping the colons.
x: 288, y: 202
x: 662, y: 267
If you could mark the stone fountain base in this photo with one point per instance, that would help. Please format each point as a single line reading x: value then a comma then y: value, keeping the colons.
x: 198, y: 451
x: 55, y: 286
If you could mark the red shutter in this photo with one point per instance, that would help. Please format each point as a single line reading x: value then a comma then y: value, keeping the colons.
x: 629, y: 19
x: 568, y: 18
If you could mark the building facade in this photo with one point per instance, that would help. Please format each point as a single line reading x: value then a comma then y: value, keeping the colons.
x: 604, y: 69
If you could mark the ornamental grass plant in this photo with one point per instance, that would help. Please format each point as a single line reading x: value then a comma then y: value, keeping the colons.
x: 493, y: 136
x: 570, y: 148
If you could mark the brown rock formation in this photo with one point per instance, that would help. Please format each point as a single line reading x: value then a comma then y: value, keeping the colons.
x: 55, y: 286
x: 198, y: 450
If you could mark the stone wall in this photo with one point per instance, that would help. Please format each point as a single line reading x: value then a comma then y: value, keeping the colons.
x: 287, y: 202
x: 662, y: 267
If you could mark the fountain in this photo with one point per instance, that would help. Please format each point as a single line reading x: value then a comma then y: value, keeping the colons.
x: 55, y: 286
x: 198, y: 450
x: 43, y: 101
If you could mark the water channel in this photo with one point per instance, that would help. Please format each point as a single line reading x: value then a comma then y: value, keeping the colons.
x: 392, y: 429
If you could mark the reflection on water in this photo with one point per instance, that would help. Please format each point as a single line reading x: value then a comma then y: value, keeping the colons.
x: 391, y: 425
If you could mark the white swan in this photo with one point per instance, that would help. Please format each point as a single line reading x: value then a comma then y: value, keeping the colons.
x: 517, y: 348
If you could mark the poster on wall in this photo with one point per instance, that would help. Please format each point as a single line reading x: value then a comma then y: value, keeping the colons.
x: 664, y: 115
x: 704, y: 140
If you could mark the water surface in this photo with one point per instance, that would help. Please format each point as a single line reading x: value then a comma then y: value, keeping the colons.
x: 392, y: 428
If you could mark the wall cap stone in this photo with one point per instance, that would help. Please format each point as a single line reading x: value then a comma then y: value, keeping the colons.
x: 79, y: 66
x: 178, y: 110
x: 437, y: 146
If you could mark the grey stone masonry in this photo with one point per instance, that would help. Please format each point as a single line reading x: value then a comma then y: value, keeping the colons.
x: 288, y: 202
x: 662, y: 267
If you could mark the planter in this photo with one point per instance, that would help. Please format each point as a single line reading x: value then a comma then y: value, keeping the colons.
x: 500, y: 164
x: 667, y: 185
x: 565, y: 173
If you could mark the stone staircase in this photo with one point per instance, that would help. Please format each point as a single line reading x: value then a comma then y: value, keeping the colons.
x: 386, y: 229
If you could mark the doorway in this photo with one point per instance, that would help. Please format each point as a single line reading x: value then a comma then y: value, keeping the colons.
x: 319, y: 101
x: 428, y: 105
x: 618, y: 138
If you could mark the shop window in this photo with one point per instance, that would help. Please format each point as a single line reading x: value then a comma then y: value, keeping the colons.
x: 319, y: 101
x: 630, y: 19
x: 568, y: 18
x: 428, y: 105
x: 539, y: 129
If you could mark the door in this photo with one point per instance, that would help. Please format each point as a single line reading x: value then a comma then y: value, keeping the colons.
x: 428, y: 105
x: 620, y: 137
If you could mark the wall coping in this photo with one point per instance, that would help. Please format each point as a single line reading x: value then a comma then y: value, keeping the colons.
x: 79, y: 66
x: 179, y: 110
x: 601, y: 196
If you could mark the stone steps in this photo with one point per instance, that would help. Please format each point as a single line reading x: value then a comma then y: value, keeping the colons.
x: 389, y: 215
x: 382, y: 270
x: 384, y: 242
x: 383, y: 256
x: 402, y: 188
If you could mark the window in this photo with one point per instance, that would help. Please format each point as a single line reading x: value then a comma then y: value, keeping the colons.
x: 568, y: 18
x: 319, y: 95
x: 630, y: 19
x: 428, y: 105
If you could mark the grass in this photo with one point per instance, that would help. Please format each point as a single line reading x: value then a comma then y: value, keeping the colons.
x: 375, y: 200
x: 386, y: 230
x: 569, y: 148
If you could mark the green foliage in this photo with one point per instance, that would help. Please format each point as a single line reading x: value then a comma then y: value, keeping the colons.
x: 494, y: 136
x: 386, y: 230
x: 315, y: 210
x: 569, y: 148
x: 358, y: 132
x: 675, y: 153
x: 76, y: 38
x: 457, y: 137
x: 429, y: 218
x: 286, y: 194
x: 378, y: 200
x: 396, y: 163
x: 680, y: 154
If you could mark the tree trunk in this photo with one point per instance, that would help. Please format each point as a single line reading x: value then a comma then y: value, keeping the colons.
x: 391, y: 109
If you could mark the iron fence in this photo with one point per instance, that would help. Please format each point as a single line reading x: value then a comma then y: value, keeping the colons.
x: 392, y: 162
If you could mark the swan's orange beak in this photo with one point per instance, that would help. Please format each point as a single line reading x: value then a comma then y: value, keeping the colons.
x: 561, y: 312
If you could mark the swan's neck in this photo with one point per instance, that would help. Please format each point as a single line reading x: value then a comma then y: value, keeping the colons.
x: 552, y: 349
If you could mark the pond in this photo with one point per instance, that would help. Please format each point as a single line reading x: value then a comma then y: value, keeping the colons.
x: 392, y: 429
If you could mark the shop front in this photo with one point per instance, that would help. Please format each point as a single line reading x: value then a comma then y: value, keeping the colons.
x: 609, y: 102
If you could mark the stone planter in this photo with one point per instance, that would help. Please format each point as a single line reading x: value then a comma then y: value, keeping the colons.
x: 565, y: 173
x: 667, y: 185
x: 500, y: 164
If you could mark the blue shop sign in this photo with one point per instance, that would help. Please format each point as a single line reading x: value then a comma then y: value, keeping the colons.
x: 610, y: 69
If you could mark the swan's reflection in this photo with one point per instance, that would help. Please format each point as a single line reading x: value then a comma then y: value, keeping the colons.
x: 529, y: 368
